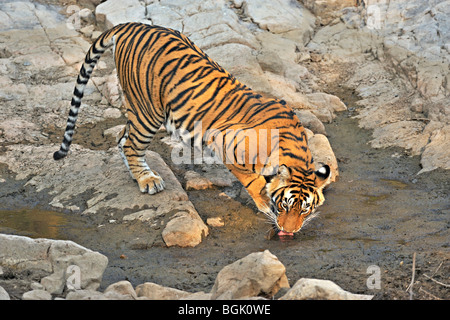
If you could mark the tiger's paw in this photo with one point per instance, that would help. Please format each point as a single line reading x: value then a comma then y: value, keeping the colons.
x: 151, y: 183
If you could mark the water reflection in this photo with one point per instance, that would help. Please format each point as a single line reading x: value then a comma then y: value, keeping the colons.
x: 32, y: 223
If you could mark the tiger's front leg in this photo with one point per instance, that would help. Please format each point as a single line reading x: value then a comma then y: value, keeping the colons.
x: 132, y: 145
x: 255, y: 184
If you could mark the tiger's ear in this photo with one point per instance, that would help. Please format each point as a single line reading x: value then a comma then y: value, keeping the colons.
x: 281, y: 176
x: 323, y: 176
x: 283, y: 172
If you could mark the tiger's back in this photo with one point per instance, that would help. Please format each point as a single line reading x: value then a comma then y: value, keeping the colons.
x: 166, y: 79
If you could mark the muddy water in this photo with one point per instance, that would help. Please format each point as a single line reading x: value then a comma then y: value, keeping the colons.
x: 34, y: 223
x: 378, y: 213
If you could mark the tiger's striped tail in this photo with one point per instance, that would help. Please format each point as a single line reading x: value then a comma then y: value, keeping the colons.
x: 101, y: 44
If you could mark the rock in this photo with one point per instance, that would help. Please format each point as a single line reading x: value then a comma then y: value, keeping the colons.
x: 330, y: 101
x: 408, y: 134
x: 323, y: 154
x: 87, y: 31
x: 96, y: 34
x: 436, y: 153
x: 122, y: 288
x: 276, y: 51
x: 53, y: 257
x: 3, y: 294
x: 111, y: 90
x: 185, y: 229
x: 25, y: 15
x: 316, y: 289
x: 216, y: 28
x: 309, y: 134
x: 113, y: 131
x: 310, y: 121
x: 218, y: 175
x: 82, y: 170
x: 36, y: 286
x: 85, y: 295
x: 112, y: 113
x: 195, y: 181
x: 155, y: 291
x: 295, y: 17
x: 270, y: 62
x: 243, y: 194
x: 91, y: 267
x: 325, y: 105
x: 114, y: 12
x: 215, y: 222
x: 25, y: 253
x: 37, y: 295
x: 55, y: 282
x: 197, y: 296
x: 242, y: 64
x: 280, y: 56
x: 327, y: 11
x: 17, y: 130
x: 86, y: 15
x: 153, y: 214
x: 285, y: 89
x: 258, y: 274
x: 407, y: 76
x: 143, y: 215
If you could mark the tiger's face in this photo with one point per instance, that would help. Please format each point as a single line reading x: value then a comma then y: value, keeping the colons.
x: 295, y: 197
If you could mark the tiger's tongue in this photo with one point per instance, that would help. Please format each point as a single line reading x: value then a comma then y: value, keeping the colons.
x: 282, y: 233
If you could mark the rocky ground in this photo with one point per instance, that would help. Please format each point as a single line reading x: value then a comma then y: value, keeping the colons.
x: 370, y: 81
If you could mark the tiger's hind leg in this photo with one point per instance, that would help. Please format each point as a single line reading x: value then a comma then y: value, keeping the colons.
x: 132, y: 144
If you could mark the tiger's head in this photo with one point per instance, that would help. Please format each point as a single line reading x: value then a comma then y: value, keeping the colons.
x: 295, y: 195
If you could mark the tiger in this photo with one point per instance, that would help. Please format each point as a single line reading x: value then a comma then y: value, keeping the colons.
x: 167, y: 80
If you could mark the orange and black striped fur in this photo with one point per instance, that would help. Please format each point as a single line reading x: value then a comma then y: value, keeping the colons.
x: 166, y: 79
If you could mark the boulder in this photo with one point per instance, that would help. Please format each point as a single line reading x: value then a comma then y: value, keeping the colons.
x: 323, y: 154
x: 111, y: 90
x: 155, y: 291
x: 104, y: 173
x: 285, y: 89
x: 215, y: 222
x: 241, y: 63
x: 185, y: 229
x: 325, y: 105
x: 405, y: 134
x: 194, y: 181
x: 114, y: 12
x: 258, y: 274
x: 437, y: 151
x: 3, y: 294
x: 86, y: 295
x: 37, y: 295
x: 218, y: 175
x: 266, y: 14
x: 53, y: 257
x: 328, y: 10
x: 396, y: 57
x: 316, y: 289
x: 123, y: 288
x: 310, y: 121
